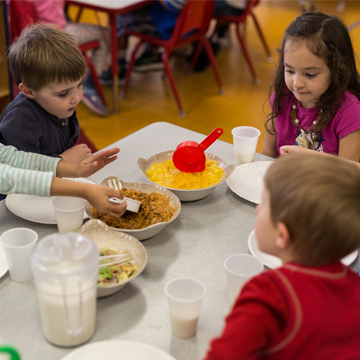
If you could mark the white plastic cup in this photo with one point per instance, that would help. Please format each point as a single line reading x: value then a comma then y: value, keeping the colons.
x: 185, y: 296
x: 245, y: 139
x: 239, y: 269
x: 69, y: 213
x: 18, y: 244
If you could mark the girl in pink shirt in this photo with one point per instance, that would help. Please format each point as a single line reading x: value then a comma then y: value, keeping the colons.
x: 316, y: 91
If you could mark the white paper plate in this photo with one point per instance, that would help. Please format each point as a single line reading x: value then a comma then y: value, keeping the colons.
x: 3, y: 264
x: 274, y: 262
x: 118, y: 350
x: 247, y: 180
x: 36, y: 208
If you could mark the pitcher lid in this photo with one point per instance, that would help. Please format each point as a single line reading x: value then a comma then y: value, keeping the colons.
x: 64, y: 252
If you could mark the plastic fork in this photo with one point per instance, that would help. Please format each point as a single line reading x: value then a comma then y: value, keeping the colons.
x: 118, y: 261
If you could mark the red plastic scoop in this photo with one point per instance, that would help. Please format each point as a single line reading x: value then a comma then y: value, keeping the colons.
x: 189, y: 155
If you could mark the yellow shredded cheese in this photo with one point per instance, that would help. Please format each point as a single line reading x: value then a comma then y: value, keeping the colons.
x: 166, y: 174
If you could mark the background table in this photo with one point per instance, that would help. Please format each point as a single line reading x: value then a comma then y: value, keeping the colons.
x: 112, y: 8
x: 195, y: 244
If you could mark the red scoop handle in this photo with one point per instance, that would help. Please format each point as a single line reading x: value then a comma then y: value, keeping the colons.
x: 214, y: 135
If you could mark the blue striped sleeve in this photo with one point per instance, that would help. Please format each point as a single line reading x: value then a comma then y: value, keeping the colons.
x: 9, y: 155
x: 19, y: 181
x: 26, y: 173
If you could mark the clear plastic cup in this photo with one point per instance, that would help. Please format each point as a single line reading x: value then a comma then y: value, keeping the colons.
x: 18, y: 244
x: 245, y: 139
x: 239, y: 269
x: 69, y: 213
x: 185, y: 296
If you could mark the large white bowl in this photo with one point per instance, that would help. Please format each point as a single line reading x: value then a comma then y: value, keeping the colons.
x: 102, y: 236
x: 183, y: 194
x: 152, y: 230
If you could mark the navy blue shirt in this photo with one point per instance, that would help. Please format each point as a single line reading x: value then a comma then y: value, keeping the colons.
x: 27, y: 126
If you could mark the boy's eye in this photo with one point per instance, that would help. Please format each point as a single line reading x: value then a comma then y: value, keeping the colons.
x: 62, y: 95
x: 81, y: 83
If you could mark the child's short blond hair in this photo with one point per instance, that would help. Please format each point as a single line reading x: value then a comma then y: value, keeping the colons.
x: 44, y: 54
x: 318, y: 199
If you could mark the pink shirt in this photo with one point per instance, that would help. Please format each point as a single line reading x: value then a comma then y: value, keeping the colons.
x: 346, y: 121
x: 51, y: 11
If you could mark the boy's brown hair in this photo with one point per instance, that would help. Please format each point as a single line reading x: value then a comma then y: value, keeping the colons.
x: 318, y: 199
x: 44, y: 54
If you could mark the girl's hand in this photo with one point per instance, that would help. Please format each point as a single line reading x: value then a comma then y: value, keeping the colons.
x: 292, y: 149
x: 98, y: 197
x: 95, y: 162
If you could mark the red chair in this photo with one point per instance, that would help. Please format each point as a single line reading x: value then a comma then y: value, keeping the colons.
x: 240, y: 20
x: 23, y: 13
x: 191, y: 25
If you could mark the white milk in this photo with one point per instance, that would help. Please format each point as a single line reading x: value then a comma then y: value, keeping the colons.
x: 184, y: 328
x: 54, y: 318
x: 243, y: 158
x: 70, y: 224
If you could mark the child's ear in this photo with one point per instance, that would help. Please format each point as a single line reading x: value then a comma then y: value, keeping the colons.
x: 283, y: 236
x: 26, y: 91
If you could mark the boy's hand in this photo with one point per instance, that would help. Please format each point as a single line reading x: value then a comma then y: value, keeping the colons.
x: 95, y: 162
x: 77, y: 153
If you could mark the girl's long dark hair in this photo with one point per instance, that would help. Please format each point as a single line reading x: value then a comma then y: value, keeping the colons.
x: 328, y: 38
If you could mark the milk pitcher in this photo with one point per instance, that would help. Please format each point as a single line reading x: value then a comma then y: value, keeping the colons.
x: 65, y: 268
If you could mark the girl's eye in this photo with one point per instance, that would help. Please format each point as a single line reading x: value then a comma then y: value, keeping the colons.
x: 63, y: 94
x: 289, y: 71
x: 311, y: 75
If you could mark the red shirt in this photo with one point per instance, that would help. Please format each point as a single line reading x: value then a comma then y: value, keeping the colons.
x: 294, y: 312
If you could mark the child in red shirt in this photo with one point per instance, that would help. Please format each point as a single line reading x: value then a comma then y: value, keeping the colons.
x: 309, y: 308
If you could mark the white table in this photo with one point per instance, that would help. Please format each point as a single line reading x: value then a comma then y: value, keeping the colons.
x: 113, y: 8
x: 195, y: 244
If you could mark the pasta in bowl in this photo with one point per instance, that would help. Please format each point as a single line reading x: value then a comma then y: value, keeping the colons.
x: 159, y: 208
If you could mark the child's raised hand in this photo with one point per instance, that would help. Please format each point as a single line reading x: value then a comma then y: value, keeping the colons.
x: 77, y: 153
x: 95, y: 162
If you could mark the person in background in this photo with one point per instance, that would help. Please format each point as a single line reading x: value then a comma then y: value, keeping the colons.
x: 309, y: 218
x: 49, y: 69
x: 157, y: 19
x: 53, y: 12
x: 33, y: 174
x: 316, y: 90
x: 226, y: 8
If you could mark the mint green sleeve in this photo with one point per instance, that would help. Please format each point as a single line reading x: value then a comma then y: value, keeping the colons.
x: 25, y: 173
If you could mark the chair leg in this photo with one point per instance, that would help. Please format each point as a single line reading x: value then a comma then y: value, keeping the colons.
x: 165, y: 60
x: 129, y: 69
x: 211, y: 56
x: 262, y: 37
x: 95, y: 78
x: 246, y: 53
x: 196, y: 55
